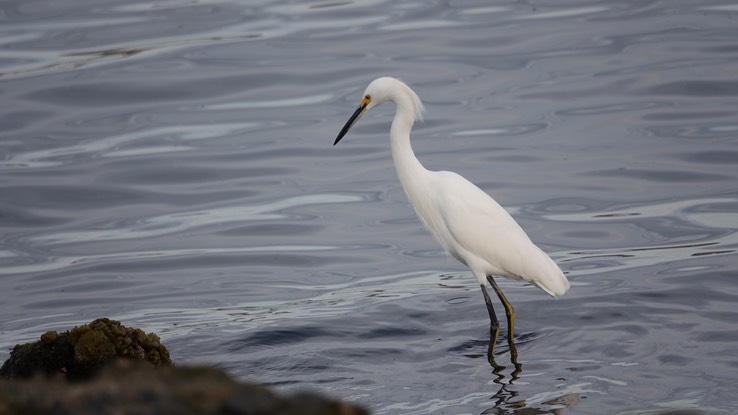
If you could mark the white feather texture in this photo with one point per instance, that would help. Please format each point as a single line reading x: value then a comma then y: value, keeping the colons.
x: 466, y: 221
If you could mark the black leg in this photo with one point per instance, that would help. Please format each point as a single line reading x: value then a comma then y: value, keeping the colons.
x: 510, y: 313
x: 490, y: 308
x: 494, y: 330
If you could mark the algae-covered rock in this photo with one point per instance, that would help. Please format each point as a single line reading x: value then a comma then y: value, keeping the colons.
x: 131, y: 384
x: 129, y: 387
x: 78, y: 353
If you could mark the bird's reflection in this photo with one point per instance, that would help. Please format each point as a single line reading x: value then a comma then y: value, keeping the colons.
x: 507, y: 399
x: 507, y: 402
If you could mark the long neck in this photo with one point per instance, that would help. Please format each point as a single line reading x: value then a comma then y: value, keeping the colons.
x: 407, y: 165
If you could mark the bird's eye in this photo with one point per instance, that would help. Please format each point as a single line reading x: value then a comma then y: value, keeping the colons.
x: 368, y: 97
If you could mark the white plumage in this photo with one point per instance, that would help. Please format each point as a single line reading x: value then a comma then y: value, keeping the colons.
x: 466, y: 221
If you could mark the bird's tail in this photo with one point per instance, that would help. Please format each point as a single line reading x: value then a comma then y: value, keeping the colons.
x: 552, y: 280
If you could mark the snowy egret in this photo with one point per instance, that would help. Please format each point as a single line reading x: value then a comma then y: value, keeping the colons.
x: 466, y: 221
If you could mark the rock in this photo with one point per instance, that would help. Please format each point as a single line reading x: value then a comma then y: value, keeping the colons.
x: 133, y: 387
x: 106, y: 368
x: 80, y: 352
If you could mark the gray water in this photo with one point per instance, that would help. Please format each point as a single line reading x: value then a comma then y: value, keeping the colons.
x: 170, y: 164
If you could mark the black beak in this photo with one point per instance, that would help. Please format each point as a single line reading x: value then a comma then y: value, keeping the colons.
x: 350, y: 123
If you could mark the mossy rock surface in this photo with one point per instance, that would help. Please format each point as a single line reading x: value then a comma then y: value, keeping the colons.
x: 80, y: 352
x: 131, y: 387
x: 121, y: 370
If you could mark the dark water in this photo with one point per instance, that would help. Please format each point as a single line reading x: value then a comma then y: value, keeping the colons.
x: 169, y: 164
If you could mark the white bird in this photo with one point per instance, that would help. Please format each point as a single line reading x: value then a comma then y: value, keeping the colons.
x: 466, y: 221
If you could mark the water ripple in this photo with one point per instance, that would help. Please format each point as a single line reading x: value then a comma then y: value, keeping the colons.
x: 124, y: 145
x: 183, y: 221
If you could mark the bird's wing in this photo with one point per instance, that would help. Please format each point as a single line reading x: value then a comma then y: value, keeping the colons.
x: 484, y: 228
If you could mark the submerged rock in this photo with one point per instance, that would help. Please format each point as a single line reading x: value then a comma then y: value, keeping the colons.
x: 129, y: 387
x: 80, y: 352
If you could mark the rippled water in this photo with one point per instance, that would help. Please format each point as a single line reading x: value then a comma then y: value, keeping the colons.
x: 169, y: 164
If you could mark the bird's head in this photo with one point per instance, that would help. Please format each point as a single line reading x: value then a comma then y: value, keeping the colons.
x: 379, y: 91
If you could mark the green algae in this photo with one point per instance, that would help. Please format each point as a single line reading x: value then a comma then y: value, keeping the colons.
x: 80, y: 352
